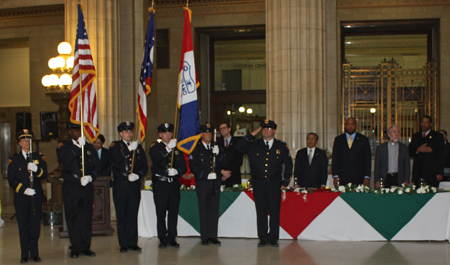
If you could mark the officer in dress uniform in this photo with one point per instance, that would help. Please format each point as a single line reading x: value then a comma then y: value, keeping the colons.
x: 166, y: 186
x: 28, y: 214
x: 127, y: 185
x: 267, y: 157
x: 78, y: 189
x: 207, y: 180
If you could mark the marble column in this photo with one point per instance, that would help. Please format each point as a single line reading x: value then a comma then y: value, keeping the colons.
x: 296, y: 71
x: 102, y: 20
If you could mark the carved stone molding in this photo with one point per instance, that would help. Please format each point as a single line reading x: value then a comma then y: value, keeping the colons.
x: 209, y: 7
x: 32, y: 16
x: 14, y: 43
x: 389, y: 3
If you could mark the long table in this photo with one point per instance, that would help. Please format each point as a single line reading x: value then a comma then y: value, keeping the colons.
x: 319, y: 216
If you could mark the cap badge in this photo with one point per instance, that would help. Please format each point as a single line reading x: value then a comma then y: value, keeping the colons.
x: 128, y: 123
x: 208, y: 125
x: 166, y: 125
x: 266, y: 121
x: 25, y: 130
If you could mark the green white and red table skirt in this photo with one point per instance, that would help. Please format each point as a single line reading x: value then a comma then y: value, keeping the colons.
x: 319, y: 216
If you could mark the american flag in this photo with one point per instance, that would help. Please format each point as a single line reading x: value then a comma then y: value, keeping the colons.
x: 146, y: 76
x: 83, y: 72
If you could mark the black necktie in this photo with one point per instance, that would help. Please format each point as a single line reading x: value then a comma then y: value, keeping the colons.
x: 28, y: 157
x: 267, y: 145
x: 209, y: 148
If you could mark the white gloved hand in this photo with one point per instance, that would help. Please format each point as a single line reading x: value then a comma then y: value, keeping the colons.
x: 85, y: 180
x: 212, y: 175
x: 133, y: 177
x: 133, y: 145
x: 81, y: 140
x: 32, y: 166
x: 29, y: 192
x: 172, y: 144
x: 172, y: 172
x: 215, y: 150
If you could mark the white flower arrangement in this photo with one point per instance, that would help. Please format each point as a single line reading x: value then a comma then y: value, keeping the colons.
x: 393, y: 190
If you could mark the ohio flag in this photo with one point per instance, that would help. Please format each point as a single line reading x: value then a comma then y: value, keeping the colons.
x: 189, y: 129
x: 146, y: 77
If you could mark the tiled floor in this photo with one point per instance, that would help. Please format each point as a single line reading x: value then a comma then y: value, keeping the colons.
x: 54, y: 250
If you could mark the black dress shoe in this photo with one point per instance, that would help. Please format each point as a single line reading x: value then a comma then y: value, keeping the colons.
x: 274, y: 244
x: 262, y: 243
x: 88, y: 253
x: 74, y: 254
x: 174, y: 244
x: 205, y: 242
x: 123, y: 250
x: 36, y: 259
x: 135, y: 248
x: 162, y: 245
x: 215, y: 241
x: 23, y: 260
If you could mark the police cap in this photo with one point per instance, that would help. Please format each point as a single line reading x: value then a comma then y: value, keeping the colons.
x: 71, y: 125
x: 165, y: 127
x: 25, y: 133
x: 206, y: 128
x: 268, y: 124
x: 126, y: 125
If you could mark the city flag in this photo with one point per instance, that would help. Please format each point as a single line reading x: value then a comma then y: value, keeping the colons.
x: 83, y: 86
x: 189, y: 129
x: 146, y: 76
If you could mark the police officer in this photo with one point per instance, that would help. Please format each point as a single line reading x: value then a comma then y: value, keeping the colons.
x: 166, y: 186
x: 127, y: 185
x: 207, y: 180
x: 267, y: 157
x: 27, y: 199
x: 78, y: 189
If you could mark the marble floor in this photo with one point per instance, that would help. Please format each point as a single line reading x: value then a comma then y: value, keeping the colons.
x: 54, y: 250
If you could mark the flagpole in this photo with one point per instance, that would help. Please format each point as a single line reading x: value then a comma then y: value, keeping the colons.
x: 82, y: 126
x: 175, y: 129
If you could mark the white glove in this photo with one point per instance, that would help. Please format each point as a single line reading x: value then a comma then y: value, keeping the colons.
x: 172, y: 172
x: 133, y: 177
x: 81, y: 140
x: 172, y: 144
x: 212, y: 175
x: 32, y: 166
x: 133, y: 145
x: 216, y: 150
x: 29, y: 192
x: 85, y: 180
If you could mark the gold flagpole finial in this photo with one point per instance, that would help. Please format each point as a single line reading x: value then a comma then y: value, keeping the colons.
x: 187, y: 3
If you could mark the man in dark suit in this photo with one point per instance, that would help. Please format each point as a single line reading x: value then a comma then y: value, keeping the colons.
x: 311, y: 164
x: 127, y: 185
x: 271, y: 166
x: 78, y: 189
x: 27, y: 199
x: 392, y: 163
x: 351, y: 157
x: 447, y: 156
x: 103, y: 154
x: 234, y: 158
x: 427, y: 148
x: 166, y: 186
x: 207, y: 183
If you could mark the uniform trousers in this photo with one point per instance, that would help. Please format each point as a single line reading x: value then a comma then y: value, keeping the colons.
x: 78, y: 203
x: 29, y: 224
x: 208, y: 206
x: 267, y: 194
x: 127, y: 196
x: 167, y: 201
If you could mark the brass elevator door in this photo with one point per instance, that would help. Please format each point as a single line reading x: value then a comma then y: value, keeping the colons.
x: 379, y: 97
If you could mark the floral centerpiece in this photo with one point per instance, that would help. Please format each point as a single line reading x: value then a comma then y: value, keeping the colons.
x: 404, y: 189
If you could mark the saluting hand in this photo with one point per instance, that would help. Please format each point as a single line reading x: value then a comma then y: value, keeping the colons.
x: 255, y: 132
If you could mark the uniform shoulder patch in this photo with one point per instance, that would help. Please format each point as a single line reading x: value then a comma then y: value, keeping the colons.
x: 43, y: 158
x: 112, y: 144
x: 9, y: 161
x: 59, y: 145
x: 152, y: 144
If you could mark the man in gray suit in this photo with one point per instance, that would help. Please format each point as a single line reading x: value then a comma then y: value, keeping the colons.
x: 392, y: 161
